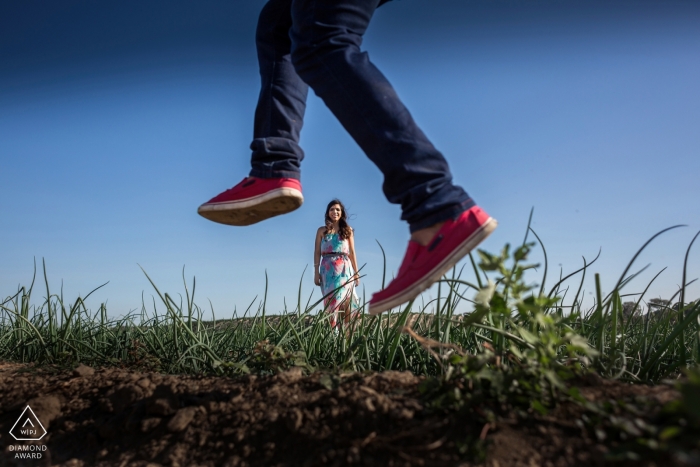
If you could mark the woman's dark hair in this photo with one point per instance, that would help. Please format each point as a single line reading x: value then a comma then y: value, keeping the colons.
x: 344, y: 229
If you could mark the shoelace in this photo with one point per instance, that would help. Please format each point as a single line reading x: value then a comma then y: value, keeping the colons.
x: 241, y: 183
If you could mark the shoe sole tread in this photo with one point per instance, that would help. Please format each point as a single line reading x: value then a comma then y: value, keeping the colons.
x: 254, y: 209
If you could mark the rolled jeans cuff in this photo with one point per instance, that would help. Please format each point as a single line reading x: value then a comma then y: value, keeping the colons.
x: 275, y: 174
x: 440, y: 216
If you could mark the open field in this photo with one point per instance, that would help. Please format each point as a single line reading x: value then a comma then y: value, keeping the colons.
x: 528, y: 377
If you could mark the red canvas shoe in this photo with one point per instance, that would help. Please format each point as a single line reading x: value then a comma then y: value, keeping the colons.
x: 423, y: 265
x: 253, y: 200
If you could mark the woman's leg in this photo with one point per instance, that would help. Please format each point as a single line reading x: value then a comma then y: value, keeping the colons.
x: 334, y: 320
x: 347, y: 312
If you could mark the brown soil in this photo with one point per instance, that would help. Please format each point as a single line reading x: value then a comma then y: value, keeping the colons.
x: 113, y: 417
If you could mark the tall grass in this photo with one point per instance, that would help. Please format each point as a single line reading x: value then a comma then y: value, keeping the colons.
x: 177, y: 336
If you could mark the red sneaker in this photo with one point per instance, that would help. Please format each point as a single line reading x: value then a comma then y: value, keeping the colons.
x: 423, y: 265
x: 253, y: 200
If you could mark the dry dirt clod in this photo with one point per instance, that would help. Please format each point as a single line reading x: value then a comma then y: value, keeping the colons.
x: 290, y: 376
x: 148, y: 424
x: 144, y: 383
x: 181, y: 419
x: 83, y: 371
x: 272, y: 415
x: 295, y: 420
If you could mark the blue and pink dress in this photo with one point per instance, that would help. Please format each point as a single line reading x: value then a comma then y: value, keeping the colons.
x: 336, y: 273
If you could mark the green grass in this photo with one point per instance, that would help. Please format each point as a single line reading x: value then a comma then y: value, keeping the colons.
x: 174, y: 336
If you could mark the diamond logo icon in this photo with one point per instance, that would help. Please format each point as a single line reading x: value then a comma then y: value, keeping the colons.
x: 28, y: 427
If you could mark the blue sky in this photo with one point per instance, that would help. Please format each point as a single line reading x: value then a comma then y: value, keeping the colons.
x: 118, y: 119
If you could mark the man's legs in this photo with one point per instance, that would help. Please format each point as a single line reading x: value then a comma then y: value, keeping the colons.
x: 273, y: 187
x: 325, y: 45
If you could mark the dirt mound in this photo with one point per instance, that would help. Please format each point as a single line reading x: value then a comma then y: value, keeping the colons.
x: 112, y: 417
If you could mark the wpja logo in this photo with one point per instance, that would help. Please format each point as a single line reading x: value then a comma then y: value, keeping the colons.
x: 28, y: 428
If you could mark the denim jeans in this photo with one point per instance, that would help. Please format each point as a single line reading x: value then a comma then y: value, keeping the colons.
x: 316, y: 43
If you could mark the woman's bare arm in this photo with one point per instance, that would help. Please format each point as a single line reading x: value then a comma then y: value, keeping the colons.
x: 353, y: 257
x: 317, y: 255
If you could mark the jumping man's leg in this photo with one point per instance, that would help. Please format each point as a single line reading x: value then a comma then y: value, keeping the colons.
x: 273, y: 187
x: 326, y: 38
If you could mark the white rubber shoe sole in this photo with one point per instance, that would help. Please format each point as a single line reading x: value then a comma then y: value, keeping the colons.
x: 253, y: 210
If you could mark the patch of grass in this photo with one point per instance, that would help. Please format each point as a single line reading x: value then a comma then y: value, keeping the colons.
x: 522, y: 322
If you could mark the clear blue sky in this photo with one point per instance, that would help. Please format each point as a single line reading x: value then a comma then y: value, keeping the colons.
x: 117, y: 119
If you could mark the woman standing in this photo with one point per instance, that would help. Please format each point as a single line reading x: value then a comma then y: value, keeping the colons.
x: 335, y: 265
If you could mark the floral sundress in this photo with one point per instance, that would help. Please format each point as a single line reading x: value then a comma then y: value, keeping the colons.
x: 336, y: 272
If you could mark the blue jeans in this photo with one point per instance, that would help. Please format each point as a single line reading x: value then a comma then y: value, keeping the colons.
x: 316, y: 43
